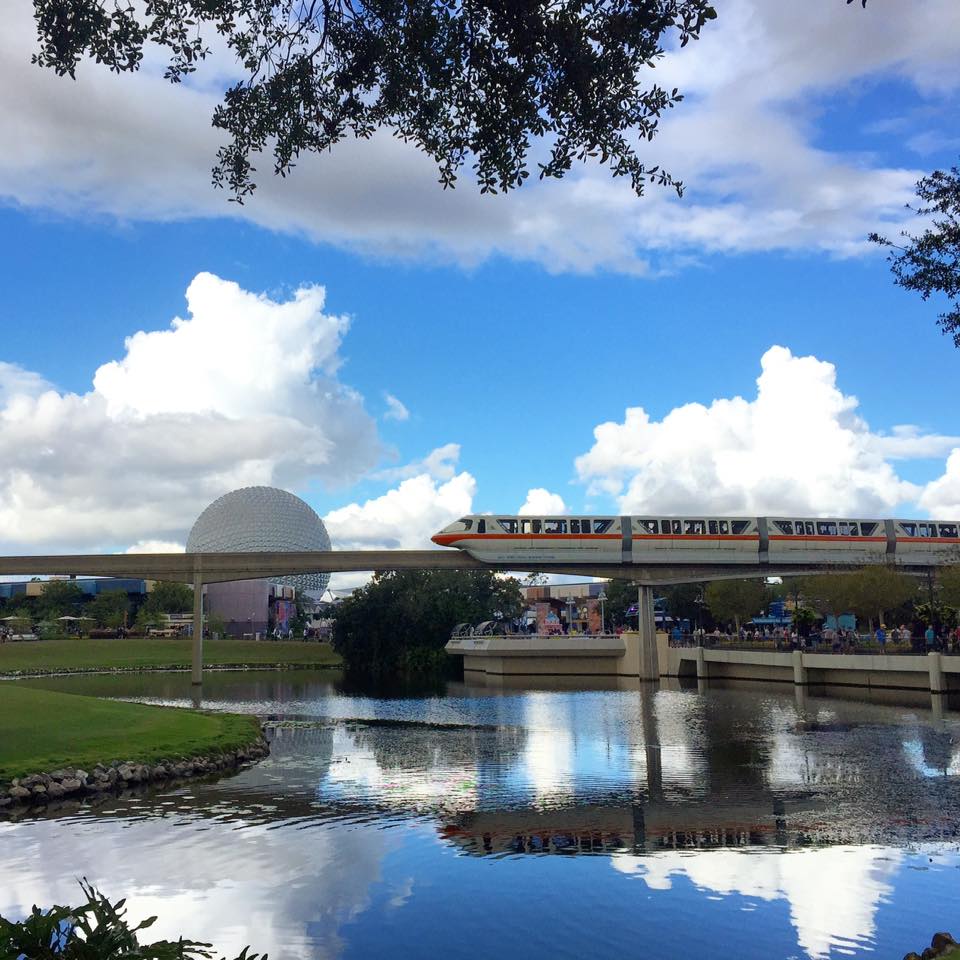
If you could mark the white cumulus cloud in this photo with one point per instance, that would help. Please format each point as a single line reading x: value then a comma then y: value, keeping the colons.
x: 541, y: 502
x: 440, y: 463
x: 941, y: 497
x: 799, y: 446
x: 396, y: 410
x: 404, y: 517
x: 242, y: 391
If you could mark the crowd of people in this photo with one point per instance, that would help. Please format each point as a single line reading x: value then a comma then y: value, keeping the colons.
x: 915, y: 638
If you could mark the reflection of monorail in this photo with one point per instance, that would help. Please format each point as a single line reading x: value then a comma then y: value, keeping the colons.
x: 748, y: 540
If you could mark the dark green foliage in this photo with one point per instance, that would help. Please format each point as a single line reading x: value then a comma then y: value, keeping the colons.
x: 621, y: 595
x: 685, y: 601
x: 109, y: 609
x: 96, y: 930
x: 402, y: 619
x: 59, y: 598
x: 735, y: 600
x: 930, y: 263
x: 168, y: 597
x: 461, y: 79
x: 804, y: 619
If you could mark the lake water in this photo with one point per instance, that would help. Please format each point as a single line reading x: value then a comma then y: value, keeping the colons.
x: 468, y: 822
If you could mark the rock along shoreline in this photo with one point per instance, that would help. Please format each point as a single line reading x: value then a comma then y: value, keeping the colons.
x: 72, y: 783
x: 174, y: 668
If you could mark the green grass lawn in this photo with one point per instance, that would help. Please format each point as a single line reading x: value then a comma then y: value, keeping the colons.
x: 42, y: 731
x: 133, y: 652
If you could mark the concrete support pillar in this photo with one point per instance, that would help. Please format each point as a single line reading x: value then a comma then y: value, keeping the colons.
x: 799, y: 669
x: 646, y: 627
x: 196, y: 673
x: 936, y: 705
x: 702, y: 669
x: 651, y: 741
x: 935, y: 663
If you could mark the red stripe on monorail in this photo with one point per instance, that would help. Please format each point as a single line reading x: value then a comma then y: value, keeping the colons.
x: 451, y: 537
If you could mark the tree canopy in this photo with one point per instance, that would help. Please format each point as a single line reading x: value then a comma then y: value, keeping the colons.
x: 464, y: 80
x: 929, y: 263
x: 110, y: 608
x: 877, y: 590
x: 735, y: 599
x: 59, y: 598
x: 949, y: 582
x: 399, y: 615
x: 169, y: 597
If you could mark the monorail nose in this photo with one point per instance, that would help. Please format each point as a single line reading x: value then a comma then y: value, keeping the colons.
x: 436, y: 538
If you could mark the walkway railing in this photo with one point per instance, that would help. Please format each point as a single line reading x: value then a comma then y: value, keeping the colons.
x: 861, y: 644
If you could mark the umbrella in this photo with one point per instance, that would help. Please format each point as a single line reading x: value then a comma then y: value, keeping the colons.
x: 14, y: 618
x: 68, y: 618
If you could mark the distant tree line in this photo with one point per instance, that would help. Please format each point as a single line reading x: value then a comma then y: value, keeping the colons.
x: 875, y: 595
x: 109, y: 610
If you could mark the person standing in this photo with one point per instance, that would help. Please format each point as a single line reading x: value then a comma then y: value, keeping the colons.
x: 881, y: 637
x: 930, y: 637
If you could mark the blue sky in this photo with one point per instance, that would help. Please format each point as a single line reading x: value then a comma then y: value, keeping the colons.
x: 510, y: 327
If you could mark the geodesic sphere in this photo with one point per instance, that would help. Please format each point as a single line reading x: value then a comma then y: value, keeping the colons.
x: 256, y: 519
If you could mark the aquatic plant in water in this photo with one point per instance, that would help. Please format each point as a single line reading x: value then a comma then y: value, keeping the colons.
x: 95, y: 930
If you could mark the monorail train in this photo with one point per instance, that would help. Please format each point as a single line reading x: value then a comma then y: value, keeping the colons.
x: 703, y: 540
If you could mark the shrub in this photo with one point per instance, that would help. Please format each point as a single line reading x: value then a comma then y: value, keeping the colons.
x: 95, y: 930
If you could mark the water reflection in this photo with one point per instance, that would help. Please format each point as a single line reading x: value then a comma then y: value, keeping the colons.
x: 431, y: 821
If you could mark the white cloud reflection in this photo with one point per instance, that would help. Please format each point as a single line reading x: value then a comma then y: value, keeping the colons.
x: 833, y: 892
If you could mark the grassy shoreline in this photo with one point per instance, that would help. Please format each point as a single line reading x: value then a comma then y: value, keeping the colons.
x: 134, y: 653
x: 43, y: 731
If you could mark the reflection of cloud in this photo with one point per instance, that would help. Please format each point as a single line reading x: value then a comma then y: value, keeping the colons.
x: 292, y: 882
x: 833, y: 892
x: 683, y: 763
x: 357, y: 775
x: 548, y: 759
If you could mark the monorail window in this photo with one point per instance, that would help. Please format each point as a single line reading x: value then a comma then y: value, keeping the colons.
x: 724, y: 528
x: 602, y: 526
x: 467, y: 524
x: 481, y: 526
x: 867, y: 529
x: 826, y: 528
x: 579, y: 526
x: 909, y: 529
x: 848, y: 529
x: 554, y: 526
x: 648, y: 526
x: 694, y: 528
x: 713, y: 526
x: 927, y: 530
x: 670, y: 527
x: 785, y: 527
x: 948, y: 530
x: 529, y: 526
x: 510, y: 526
x: 738, y: 526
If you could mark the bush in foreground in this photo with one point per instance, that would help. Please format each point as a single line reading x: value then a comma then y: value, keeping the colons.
x: 95, y: 930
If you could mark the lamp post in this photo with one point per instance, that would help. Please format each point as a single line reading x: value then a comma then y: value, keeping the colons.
x: 252, y: 637
x: 603, y: 619
x: 569, y: 614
